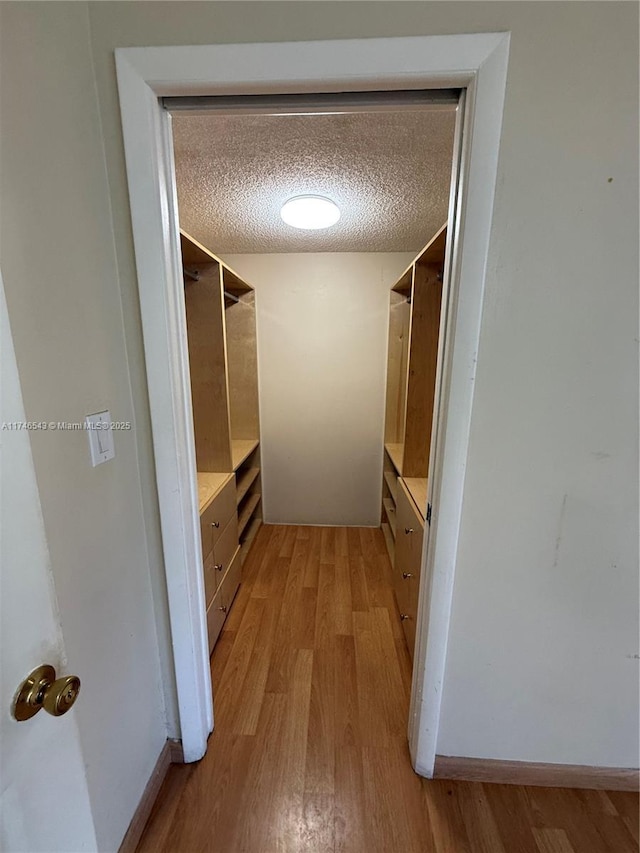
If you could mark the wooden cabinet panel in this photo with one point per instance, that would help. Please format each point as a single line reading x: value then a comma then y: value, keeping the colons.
x: 217, y: 515
x: 408, y: 559
x: 231, y: 581
x: 216, y: 614
x: 210, y: 580
x: 225, y: 548
x: 223, y: 599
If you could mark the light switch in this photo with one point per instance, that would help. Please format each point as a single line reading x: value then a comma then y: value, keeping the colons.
x: 100, y: 437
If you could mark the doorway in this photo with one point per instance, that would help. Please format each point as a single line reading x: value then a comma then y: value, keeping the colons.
x: 475, y: 63
x: 308, y: 449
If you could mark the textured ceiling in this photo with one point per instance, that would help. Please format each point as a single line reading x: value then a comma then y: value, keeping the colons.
x: 388, y: 172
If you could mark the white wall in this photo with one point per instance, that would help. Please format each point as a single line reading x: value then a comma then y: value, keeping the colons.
x: 541, y: 655
x: 65, y: 307
x: 540, y: 663
x: 322, y: 342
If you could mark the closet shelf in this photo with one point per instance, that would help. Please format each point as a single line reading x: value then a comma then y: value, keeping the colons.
x: 248, y: 537
x: 391, y: 479
x: 250, y: 532
x: 209, y: 485
x: 417, y: 488
x: 244, y: 482
x: 395, y: 452
x: 390, y: 509
x: 388, y: 538
x: 247, y: 512
x: 241, y: 448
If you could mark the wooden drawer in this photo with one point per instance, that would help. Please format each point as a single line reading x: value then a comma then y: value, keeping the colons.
x: 219, y: 559
x: 223, y: 599
x: 216, y: 614
x: 217, y: 515
x: 210, y: 580
x: 408, y: 560
x: 231, y: 580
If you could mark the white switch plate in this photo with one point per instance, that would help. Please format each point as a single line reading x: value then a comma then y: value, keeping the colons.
x: 100, y: 437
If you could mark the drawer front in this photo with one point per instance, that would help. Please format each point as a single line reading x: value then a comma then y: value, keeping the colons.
x: 409, y: 534
x: 231, y: 581
x: 408, y: 559
x: 222, y: 600
x: 217, y: 515
x: 215, y: 619
x: 224, y: 549
x: 210, y: 579
x: 402, y: 599
x: 409, y: 628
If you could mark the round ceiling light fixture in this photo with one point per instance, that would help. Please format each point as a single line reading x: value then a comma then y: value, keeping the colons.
x: 310, y: 212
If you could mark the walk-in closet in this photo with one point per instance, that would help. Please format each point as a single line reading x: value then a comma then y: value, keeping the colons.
x: 313, y: 352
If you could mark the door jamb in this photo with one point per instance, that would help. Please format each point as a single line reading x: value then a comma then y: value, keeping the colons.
x: 477, y: 63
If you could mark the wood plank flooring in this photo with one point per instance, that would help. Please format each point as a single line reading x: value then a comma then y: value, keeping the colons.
x: 311, y: 682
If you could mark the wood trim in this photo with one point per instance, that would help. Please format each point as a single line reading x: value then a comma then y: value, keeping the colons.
x: 176, y: 752
x: 529, y: 773
x: 171, y: 754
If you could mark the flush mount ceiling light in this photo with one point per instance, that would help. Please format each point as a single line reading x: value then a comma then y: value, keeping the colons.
x: 310, y: 212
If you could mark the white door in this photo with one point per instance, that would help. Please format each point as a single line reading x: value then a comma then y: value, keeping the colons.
x: 44, y: 801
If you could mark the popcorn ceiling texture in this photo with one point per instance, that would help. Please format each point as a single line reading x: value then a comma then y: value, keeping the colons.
x: 388, y: 172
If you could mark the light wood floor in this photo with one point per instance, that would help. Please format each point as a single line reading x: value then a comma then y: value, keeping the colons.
x: 311, y: 683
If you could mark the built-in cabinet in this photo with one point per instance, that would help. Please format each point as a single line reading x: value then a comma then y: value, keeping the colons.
x: 414, y: 325
x: 221, y: 332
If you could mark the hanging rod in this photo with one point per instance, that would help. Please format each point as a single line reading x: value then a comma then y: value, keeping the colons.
x: 231, y: 296
x: 306, y: 103
x: 193, y: 275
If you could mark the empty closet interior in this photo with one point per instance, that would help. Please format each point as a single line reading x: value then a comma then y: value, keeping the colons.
x: 313, y: 352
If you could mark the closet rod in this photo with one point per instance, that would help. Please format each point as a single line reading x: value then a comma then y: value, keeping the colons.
x: 317, y: 102
x: 194, y: 276
x: 231, y: 296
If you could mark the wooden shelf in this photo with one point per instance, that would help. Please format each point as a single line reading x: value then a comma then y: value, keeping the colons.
x: 433, y: 253
x: 417, y: 488
x: 209, y: 484
x: 246, y: 479
x: 247, y: 512
x: 249, y: 536
x: 388, y: 538
x: 390, y: 509
x: 395, y: 453
x: 194, y: 254
x: 241, y: 448
x: 391, y: 479
x: 251, y: 530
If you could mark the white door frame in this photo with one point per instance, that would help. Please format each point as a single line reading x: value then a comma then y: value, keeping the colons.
x: 477, y: 63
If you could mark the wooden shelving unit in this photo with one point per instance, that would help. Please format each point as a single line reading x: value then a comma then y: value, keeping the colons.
x: 241, y: 449
x: 245, y: 481
x: 414, y: 327
x: 221, y: 331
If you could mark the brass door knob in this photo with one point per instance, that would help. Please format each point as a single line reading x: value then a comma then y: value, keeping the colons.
x: 41, y: 689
